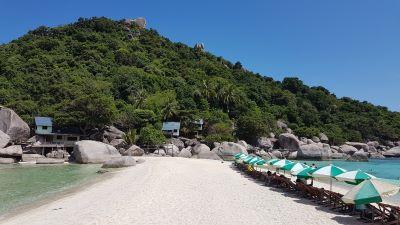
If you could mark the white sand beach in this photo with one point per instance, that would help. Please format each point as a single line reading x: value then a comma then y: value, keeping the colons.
x: 179, y: 191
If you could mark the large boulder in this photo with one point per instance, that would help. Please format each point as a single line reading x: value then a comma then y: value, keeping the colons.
x: 348, y: 149
x: 207, y: 155
x: 359, y: 156
x: 110, y: 133
x: 87, y: 151
x: 159, y: 152
x: 292, y: 155
x: 323, y: 138
x: 199, y: 148
x: 338, y: 155
x: 281, y: 124
x: 4, y: 139
x: 393, y: 152
x: 134, y: 150
x: 7, y: 160
x: 123, y: 161
x: 185, y: 153
x: 11, y: 124
x: 358, y: 145
x: 276, y: 154
x: 226, y: 150
x: 49, y: 161
x: 289, y: 142
x: 243, y: 143
x: 191, y: 142
x: 118, y: 143
x: 373, y: 143
x: 315, y: 139
x: 177, y: 142
x: 171, y: 149
x: 13, y: 150
x: 314, y: 151
x: 264, y: 142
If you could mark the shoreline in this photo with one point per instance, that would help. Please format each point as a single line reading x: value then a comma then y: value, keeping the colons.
x: 52, y: 197
x: 178, y: 191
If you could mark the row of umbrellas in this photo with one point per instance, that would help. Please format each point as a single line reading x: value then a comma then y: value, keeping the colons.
x: 367, y: 189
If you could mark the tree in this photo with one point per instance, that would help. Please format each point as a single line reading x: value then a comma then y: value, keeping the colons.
x: 151, y: 136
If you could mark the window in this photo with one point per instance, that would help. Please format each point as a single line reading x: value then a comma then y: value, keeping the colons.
x: 44, y: 127
x: 59, y: 137
x: 72, y: 138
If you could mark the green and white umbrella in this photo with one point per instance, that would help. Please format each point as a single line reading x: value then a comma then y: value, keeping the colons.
x: 370, y: 191
x: 238, y: 155
x: 281, y: 163
x: 328, y: 171
x: 354, y: 177
x: 260, y: 161
x: 272, y: 161
x: 292, y: 167
x: 254, y: 160
x: 248, y: 159
x: 304, y: 173
x: 241, y: 158
x: 266, y: 164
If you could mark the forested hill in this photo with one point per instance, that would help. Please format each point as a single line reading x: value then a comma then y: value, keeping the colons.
x: 98, y: 71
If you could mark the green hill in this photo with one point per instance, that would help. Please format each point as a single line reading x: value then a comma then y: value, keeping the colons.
x: 98, y: 71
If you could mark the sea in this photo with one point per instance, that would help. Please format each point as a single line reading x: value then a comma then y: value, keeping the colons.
x: 24, y: 184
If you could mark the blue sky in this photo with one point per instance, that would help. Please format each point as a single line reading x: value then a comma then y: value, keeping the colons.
x: 351, y: 47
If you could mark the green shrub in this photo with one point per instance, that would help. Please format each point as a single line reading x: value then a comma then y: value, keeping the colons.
x: 151, y: 136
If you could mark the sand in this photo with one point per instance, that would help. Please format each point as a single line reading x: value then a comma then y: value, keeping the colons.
x: 180, y: 191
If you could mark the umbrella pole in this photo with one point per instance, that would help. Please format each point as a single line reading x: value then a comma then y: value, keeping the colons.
x: 330, y: 191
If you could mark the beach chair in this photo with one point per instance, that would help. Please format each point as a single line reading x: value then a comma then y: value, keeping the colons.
x: 390, y: 213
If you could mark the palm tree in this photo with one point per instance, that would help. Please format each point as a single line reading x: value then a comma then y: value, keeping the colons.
x: 170, y: 110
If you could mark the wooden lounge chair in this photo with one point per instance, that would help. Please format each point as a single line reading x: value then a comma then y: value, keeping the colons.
x: 390, y: 213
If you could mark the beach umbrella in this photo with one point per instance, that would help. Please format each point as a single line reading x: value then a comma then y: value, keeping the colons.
x: 370, y: 191
x: 238, y: 155
x: 254, y: 160
x: 241, y: 158
x: 281, y: 163
x: 247, y: 159
x: 328, y: 171
x: 354, y: 177
x: 304, y: 173
x: 294, y: 166
x: 272, y: 161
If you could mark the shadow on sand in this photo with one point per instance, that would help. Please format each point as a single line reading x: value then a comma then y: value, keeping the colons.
x: 340, y: 218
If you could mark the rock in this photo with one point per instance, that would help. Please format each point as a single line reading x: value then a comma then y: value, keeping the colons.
x: 281, y: 124
x: 376, y: 156
x: 32, y: 158
x: 13, y: 126
x: 123, y: 161
x: 393, y: 152
x: 207, y: 155
x: 271, y: 135
x: 315, y: 139
x: 262, y: 153
x: 177, y: 142
x: 309, y: 141
x: 118, y: 143
x: 226, y: 150
x: 358, y: 145
x: 199, y: 46
x: 171, y: 149
x: 243, y: 143
x: 13, y: 150
x: 7, y: 160
x: 191, y: 142
x: 323, y: 138
x: 373, y: 144
x: 359, y: 156
x: 140, y: 22
x: 200, y: 147
x: 372, y: 149
x: 58, y: 154
x: 134, y: 150
x: 277, y: 154
x: 335, y: 147
x: 347, y: 149
x: 289, y: 142
x: 49, y: 161
x: 87, y: 151
x: 292, y: 155
x: 397, y: 143
x: 264, y: 142
x: 159, y: 152
x: 288, y: 130
x: 185, y: 153
x: 110, y: 133
x: 390, y: 144
x: 4, y: 139
x: 337, y: 155
x: 216, y: 144
x: 314, y: 151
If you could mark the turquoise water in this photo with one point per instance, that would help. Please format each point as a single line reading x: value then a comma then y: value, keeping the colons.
x: 383, y: 168
x: 23, y: 184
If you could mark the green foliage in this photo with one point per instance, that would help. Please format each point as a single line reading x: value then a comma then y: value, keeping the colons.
x: 308, y: 132
x: 130, y: 137
x: 90, y: 73
x: 151, y: 136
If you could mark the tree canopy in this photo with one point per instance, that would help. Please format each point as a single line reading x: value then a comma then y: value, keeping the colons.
x: 92, y: 72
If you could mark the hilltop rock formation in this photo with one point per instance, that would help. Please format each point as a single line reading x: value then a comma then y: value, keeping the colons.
x: 94, y: 152
x: 199, y: 47
x: 11, y: 124
x: 140, y: 22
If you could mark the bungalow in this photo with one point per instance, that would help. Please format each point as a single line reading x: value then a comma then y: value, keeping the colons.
x: 49, y: 138
x: 171, y: 128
